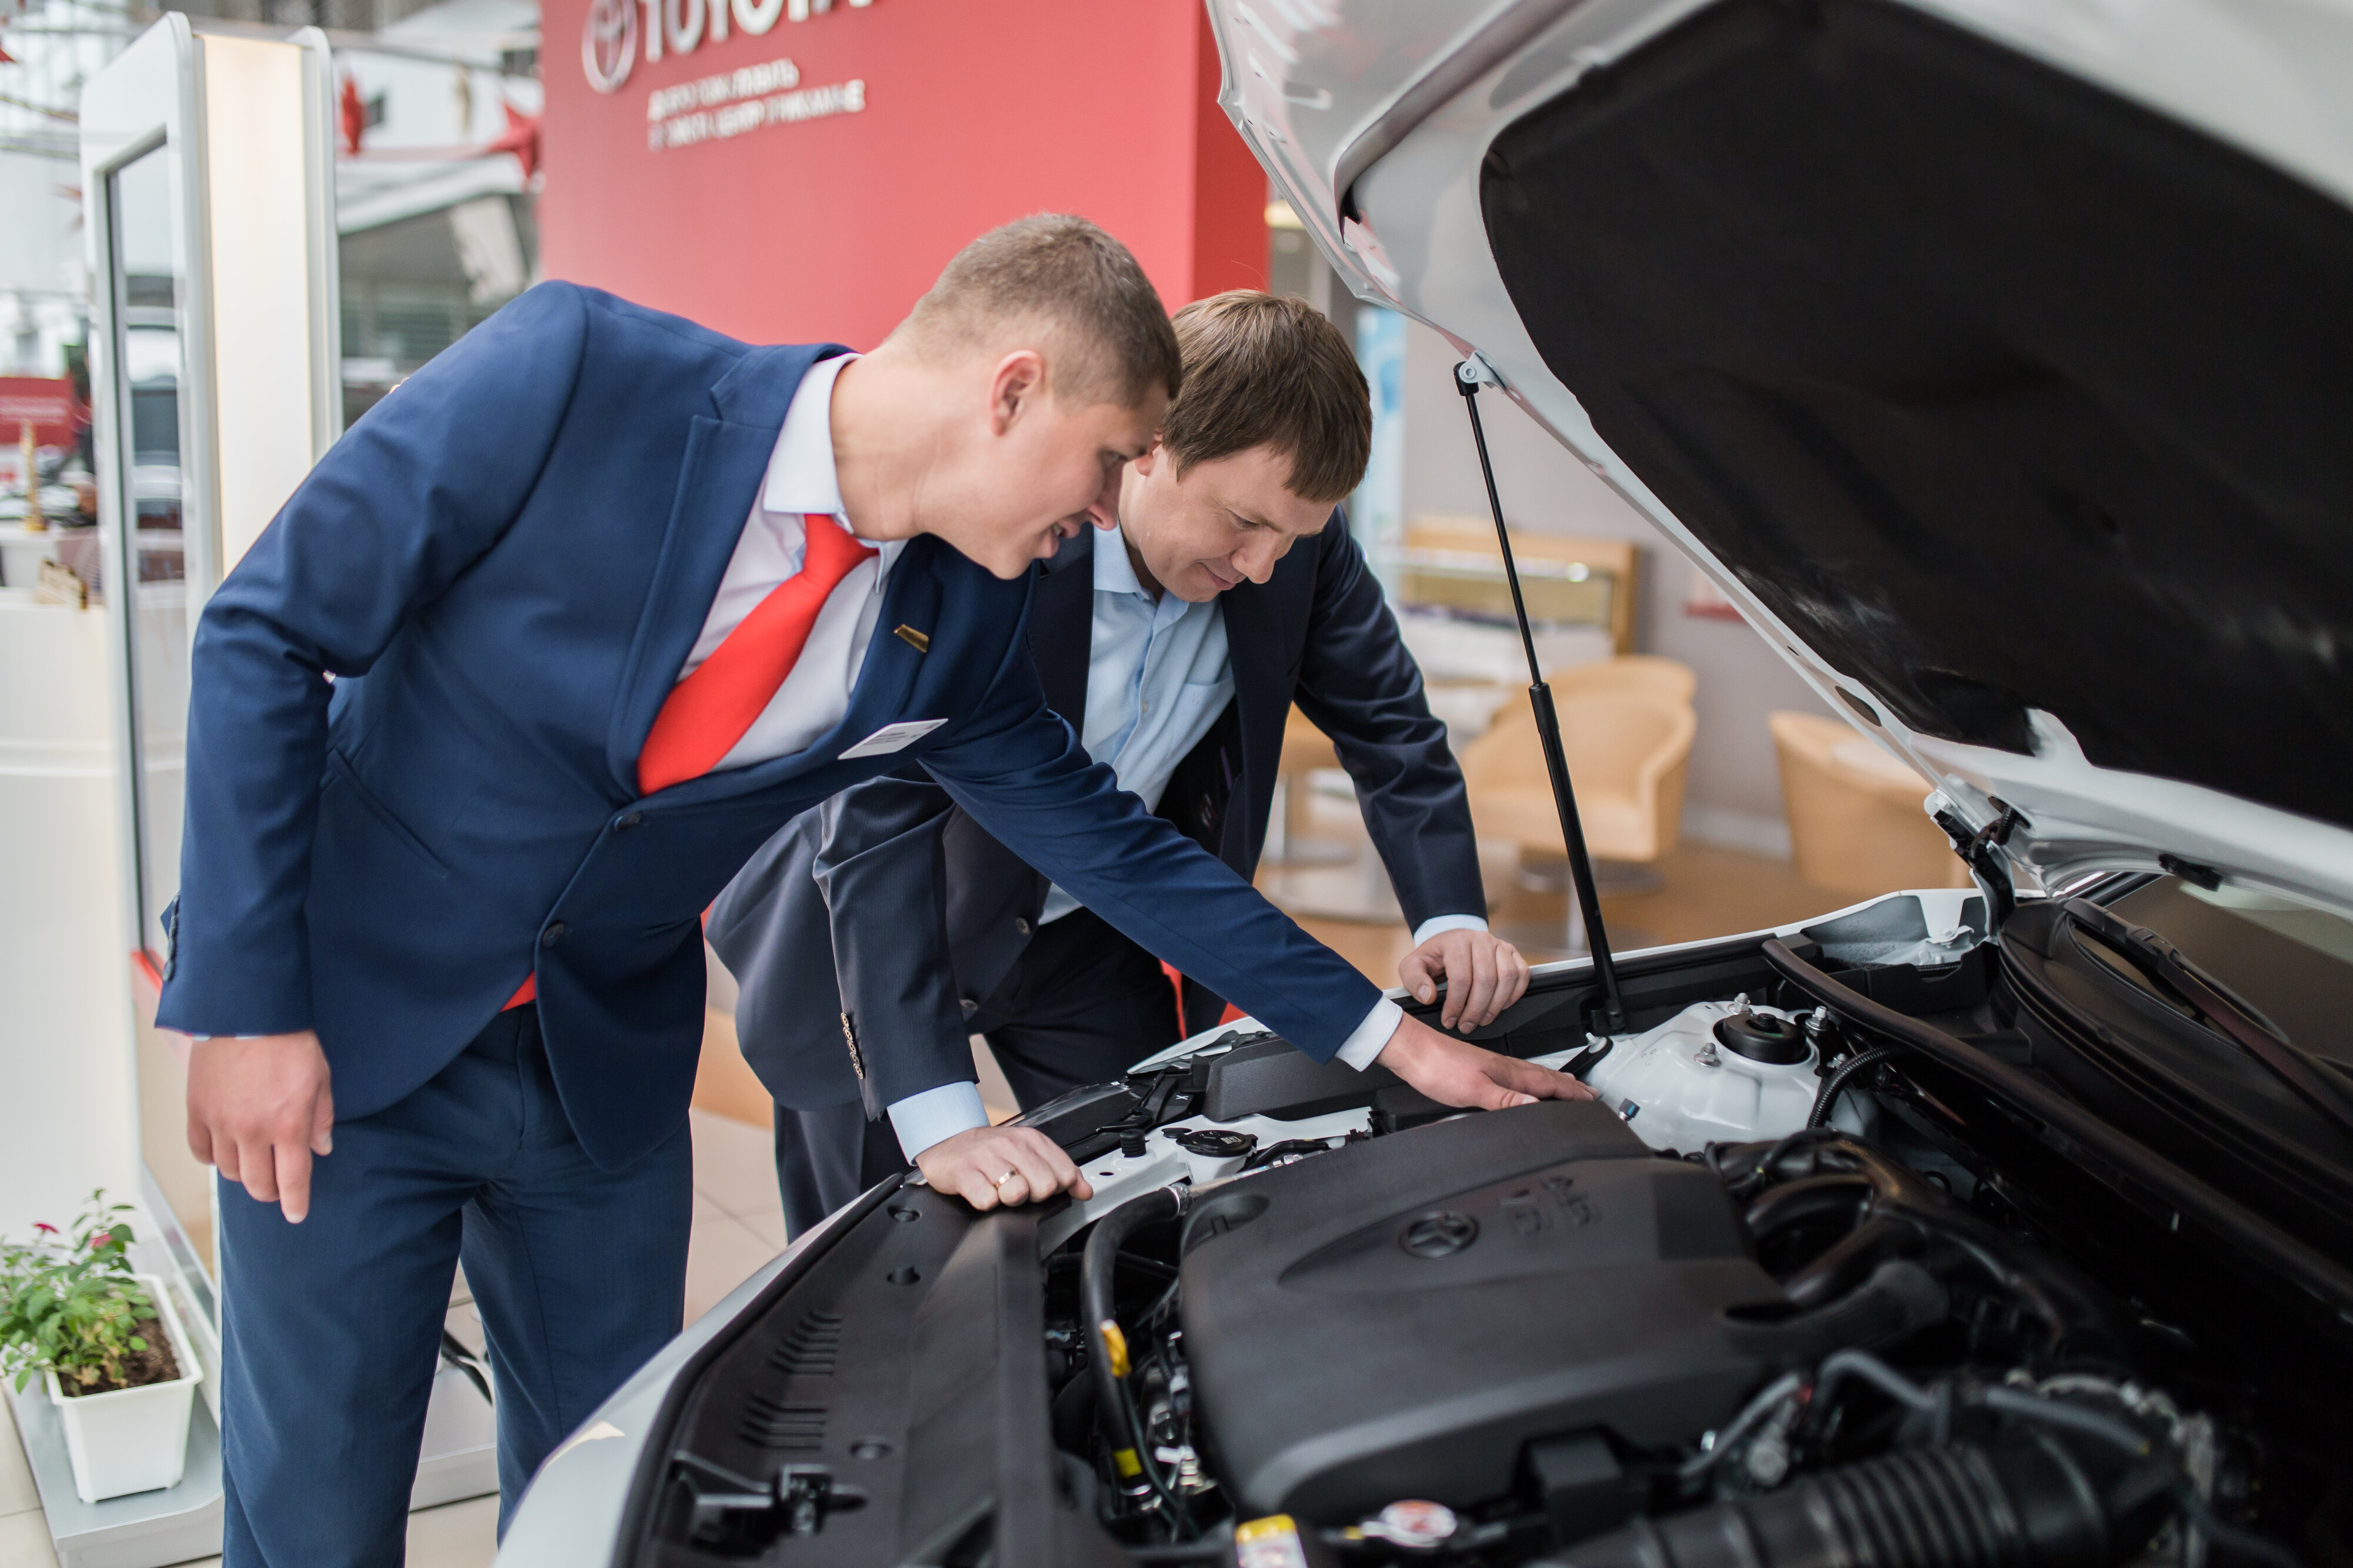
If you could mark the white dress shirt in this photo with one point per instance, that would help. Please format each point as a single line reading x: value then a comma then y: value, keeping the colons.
x: 800, y: 480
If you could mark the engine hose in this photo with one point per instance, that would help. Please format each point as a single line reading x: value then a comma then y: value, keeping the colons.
x: 2028, y: 1500
x: 1123, y: 1428
x: 1900, y: 1298
x: 1840, y: 1077
x: 2265, y: 1243
x: 1842, y: 1195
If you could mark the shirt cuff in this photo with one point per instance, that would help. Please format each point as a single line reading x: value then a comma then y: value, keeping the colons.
x: 935, y: 1115
x: 1360, y: 1047
x: 1439, y: 925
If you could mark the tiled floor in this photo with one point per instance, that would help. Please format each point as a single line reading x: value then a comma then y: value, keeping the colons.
x: 739, y: 1219
x: 24, y: 1534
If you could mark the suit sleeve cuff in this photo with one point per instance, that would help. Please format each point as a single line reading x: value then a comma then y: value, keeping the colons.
x: 1439, y: 925
x: 936, y: 1114
x: 1360, y: 1047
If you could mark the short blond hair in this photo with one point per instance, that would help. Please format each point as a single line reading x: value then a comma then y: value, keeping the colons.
x: 1079, y: 286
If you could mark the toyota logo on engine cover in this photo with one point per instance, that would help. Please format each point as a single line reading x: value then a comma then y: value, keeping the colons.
x: 608, y: 42
x: 1440, y: 1235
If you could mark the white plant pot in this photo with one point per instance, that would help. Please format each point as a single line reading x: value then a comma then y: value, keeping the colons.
x: 133, y: 1439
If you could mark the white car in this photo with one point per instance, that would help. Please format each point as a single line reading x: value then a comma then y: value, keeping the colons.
x: 1995, y: 358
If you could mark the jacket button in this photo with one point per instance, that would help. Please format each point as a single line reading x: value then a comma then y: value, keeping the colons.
x: 552, y: 934
x: 1021, y: 925
x: 634, y: 819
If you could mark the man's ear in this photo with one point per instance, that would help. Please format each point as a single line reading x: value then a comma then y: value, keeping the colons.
x: 1152, y: 459
x: 1018, y: 380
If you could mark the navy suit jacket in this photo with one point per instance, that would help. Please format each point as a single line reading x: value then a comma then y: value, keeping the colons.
x: 917, y: 911
x: 417, y: 705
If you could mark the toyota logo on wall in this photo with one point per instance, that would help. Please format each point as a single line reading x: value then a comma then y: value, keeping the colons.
x: 608, y: 42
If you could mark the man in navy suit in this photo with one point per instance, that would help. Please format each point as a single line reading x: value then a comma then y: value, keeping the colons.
x: 1175, y: 646
x: 550, y: 641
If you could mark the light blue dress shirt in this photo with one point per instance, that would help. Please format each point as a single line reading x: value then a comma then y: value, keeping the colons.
x: 1157, y: 677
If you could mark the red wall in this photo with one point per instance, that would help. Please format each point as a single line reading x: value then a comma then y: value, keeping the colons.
x: 976, y: 111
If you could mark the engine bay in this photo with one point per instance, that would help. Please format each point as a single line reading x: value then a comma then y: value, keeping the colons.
x: 1784, y: 1295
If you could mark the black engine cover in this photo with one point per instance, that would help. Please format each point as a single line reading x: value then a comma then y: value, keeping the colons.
x: 1396, y: 1319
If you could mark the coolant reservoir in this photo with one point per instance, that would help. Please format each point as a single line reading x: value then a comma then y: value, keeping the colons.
x: 1717, y: 1072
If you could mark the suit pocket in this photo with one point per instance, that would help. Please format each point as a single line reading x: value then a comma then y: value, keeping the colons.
x: 343, y: 775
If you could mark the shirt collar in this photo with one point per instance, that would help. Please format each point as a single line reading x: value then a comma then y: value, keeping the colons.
x: 801, y: 476
x: 1114, y: 572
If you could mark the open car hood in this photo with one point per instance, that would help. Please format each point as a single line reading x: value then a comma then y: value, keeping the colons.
x: 1991, y: 355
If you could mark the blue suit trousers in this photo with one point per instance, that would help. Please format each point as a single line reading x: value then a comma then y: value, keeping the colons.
x: 331, y: 1328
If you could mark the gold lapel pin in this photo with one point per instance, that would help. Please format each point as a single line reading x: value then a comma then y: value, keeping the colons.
x: 920, y: 641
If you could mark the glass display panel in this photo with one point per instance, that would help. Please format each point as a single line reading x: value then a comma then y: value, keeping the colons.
x: 148, y: 299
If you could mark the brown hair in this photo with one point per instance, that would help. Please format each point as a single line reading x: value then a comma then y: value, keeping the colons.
x: 1262, y: 371
x: 1077, y: 284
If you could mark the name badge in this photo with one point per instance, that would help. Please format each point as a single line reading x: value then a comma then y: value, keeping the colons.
x: 893, y: 738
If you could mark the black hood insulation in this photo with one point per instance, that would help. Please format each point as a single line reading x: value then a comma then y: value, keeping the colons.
x: 2002, y: 392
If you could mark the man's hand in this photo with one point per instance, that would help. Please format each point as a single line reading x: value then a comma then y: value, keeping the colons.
x: 259, y: 1109
x: 986, y: 1166
x: 1484, y: 976
x: 1456, y: 1073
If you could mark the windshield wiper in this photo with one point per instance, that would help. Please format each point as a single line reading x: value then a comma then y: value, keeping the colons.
x: 2255, y: 1035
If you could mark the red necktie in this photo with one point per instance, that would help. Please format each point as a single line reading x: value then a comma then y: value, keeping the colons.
x: 708, y: 712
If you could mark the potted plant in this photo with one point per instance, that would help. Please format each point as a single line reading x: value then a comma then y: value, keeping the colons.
x: 108, y: 1344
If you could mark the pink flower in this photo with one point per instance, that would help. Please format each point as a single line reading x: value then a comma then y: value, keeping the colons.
x: 49, y: 1229
x: 100, y: 1240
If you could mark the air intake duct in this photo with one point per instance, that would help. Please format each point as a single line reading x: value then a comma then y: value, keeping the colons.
x: 2028, y: 1500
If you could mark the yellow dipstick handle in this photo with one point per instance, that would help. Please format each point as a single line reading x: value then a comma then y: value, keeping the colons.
x: 1114, y: 1346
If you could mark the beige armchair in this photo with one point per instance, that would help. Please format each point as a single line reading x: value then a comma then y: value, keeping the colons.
x: 1668, y: 678
x: 1855, y: 822
x: 1626, y: 729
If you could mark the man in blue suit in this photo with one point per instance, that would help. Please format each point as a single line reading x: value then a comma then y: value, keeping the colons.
x: 550, y: 641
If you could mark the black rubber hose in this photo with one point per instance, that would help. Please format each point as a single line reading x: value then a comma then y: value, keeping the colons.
x: 1840, y: 1077
x: 1121, y: 1428
x: 1899, y: 1299
x: 1851, y: 1260
x: 2028, y: 1500
x: 1842, y: 1195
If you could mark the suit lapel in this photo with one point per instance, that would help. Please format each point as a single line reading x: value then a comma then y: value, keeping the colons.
x: 1254, y: 644
x: 888, y: 675
x: 726, y: 458
x: 1062, y: 625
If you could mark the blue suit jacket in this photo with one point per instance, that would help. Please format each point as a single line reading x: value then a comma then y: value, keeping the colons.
x: 918, y: 913
x: 417, y: 705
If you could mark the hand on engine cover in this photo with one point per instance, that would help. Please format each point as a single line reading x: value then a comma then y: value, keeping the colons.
x: 1456, y: 1073
x: 986, y: 1166
x: 1484, y: 976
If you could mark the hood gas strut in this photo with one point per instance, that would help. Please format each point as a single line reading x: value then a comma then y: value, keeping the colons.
x: 1468, y: 378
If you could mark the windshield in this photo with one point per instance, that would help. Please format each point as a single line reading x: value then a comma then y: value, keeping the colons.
x: 2291, y: 963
